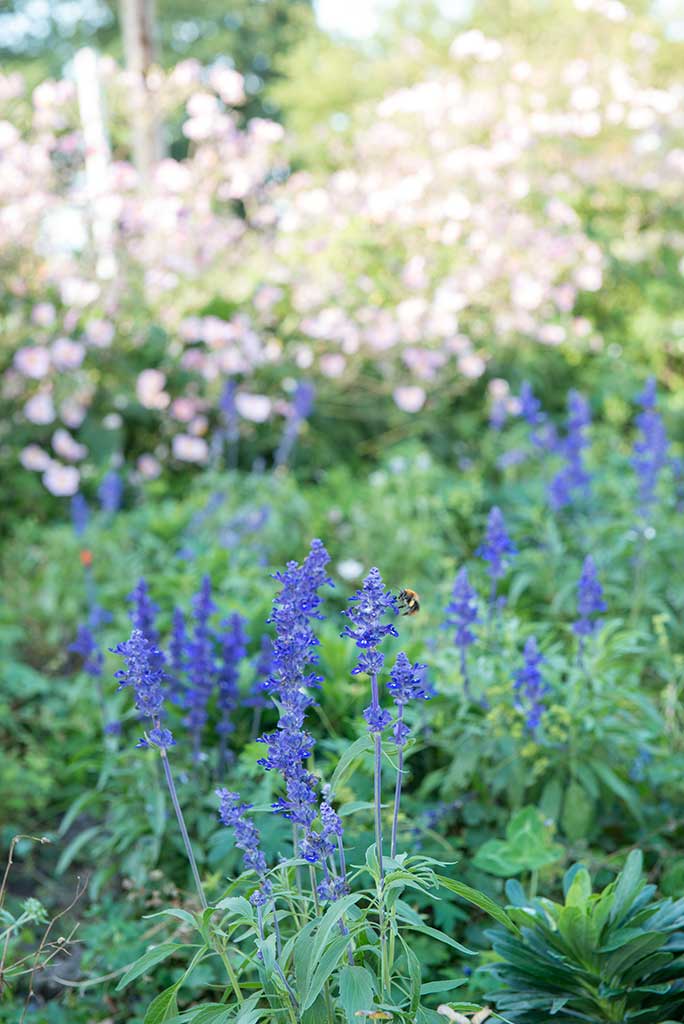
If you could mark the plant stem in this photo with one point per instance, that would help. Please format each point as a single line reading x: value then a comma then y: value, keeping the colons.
x: 397, y: 790
x: 377, y: 738
x: 183, y: 829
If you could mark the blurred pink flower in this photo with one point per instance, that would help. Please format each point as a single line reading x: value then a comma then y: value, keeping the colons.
x: 67, y: 354
x: 40, y: 408
x: 67, y: 447
x: 33, y: 361
x: 190, y: 449
x: 100, y: 333
x: 149, y: 466
x: 149, y: 389
x: 35, y: 458
x: 62, y: 481
x: 43, y: 314
x: 256, y: 408
x: 409, y: 398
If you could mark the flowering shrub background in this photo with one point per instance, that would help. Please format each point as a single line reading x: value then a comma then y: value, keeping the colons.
x: 499, y: 208
x: 435, y: 323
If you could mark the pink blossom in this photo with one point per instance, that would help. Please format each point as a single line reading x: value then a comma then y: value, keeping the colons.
x: 409, y: 398
x: 149, y: 389
x: 67, y: 354
x: 66, y: 447
x: 62, y: 481
x: 33, y: 361
x: 44, y: 314
x: 190, y: 449
x: 35, y: 458
x: 40, y: 408
x: 149, y: 467
x: 100, y: 333
x: 256, y: 408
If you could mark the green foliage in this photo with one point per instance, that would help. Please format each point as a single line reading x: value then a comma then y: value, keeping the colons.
x: 608, y: 956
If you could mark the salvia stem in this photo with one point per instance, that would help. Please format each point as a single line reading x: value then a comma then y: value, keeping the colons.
x: 183, y: 830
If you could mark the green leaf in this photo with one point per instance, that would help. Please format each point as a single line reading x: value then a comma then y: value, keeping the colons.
x: 479, y: 899
x: 356, y: 991
x: 628, y: 885
x: 163, y: 1007
x: 324, y: 968
x: 580, y: 890
x: 349, y: 758
x: 149, y: 959
x: 442, y: 986
x: 578, y: 812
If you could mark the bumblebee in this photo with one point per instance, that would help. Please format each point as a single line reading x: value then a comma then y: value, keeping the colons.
x: 409, y: 602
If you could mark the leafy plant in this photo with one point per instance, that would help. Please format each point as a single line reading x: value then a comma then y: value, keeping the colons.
x: 610, y: 956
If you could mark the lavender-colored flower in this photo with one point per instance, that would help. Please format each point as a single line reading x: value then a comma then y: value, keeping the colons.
x: 651, y: 448
x: 294, y: 650
x: 461, y: 612
x: 145, y: 673
x: 89, y: 650
x: 529, y: 685
x: 178, y: 656
x: 405, y: 685
x: 201, y: 665
x: 231, y: 424
x: 110, y: 492
x: 573, y: 477
x: 589, y: 600
x: 302, y: 404
x: 530, y: 406
x: 233, y: 648
x: 80, y: 514
x: 369, y: 605
x: 263, y: 670
x: 232, y: 814
x: 497, y: 549
x: 143, y: 611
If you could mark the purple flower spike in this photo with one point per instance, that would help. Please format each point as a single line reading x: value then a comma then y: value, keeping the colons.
x: 529, y: 685
x: 589, y: 600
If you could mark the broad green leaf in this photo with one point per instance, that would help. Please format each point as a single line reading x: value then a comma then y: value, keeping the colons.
x: 163, y: 1008
x: 442, y: 986
x: 325, y: 966
x: 346, y: 763
x: 149, y: 959
x: 578, y: 812
x: 580, y: 890
x: 629, y: 883
x: 356, y: 991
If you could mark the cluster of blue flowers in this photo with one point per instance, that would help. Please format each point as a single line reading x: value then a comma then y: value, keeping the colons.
x: 497, y: 550
x: 461, y: 615
x: 232, y: 814
x: 295, y: 607
x: 573, y: 478
x: 143, y: 611
x: 650, y: 449
x: 144, y: 672
x: 529, y: 685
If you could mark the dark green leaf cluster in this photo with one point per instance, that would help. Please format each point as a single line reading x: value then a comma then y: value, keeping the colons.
x: 611, y: 956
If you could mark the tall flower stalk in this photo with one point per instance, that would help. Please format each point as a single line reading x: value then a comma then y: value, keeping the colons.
x: 295, y: 607
x: 144, y: 672
x: 650, y: 449
x: 233, y: 648
x: 461, y: 615
x: 369, y: 605
x: 497, y: 550
x: 590, y: 603
x: 405, y: 685
x: 530, y: 686
x: 573, y: 478
x: 202, y: 666
x: 263, y: 669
